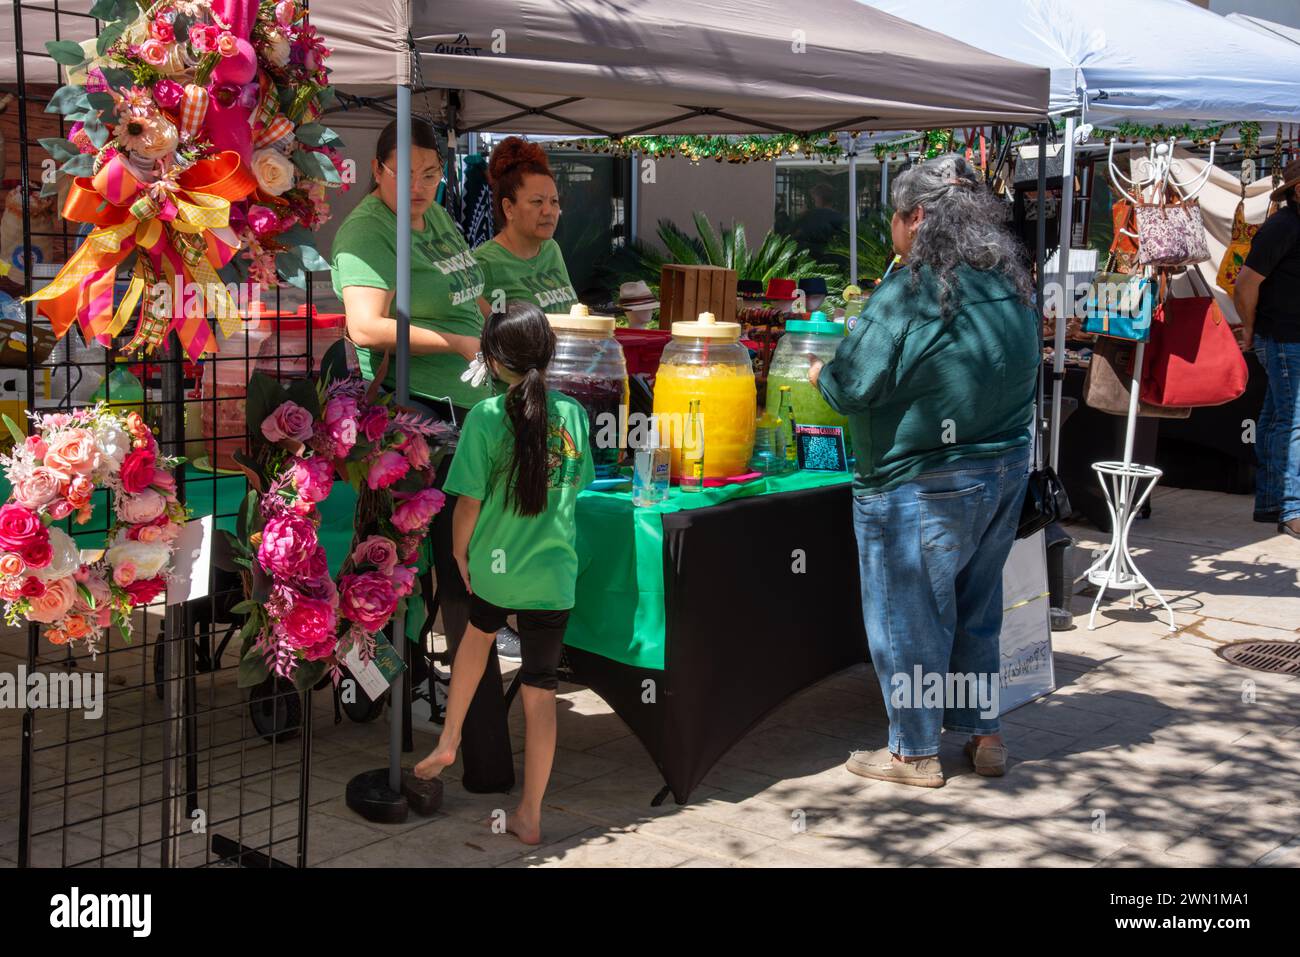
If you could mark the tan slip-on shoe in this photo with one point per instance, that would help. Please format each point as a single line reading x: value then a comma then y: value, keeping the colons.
x: 989, y: 760
x: 881, y: 766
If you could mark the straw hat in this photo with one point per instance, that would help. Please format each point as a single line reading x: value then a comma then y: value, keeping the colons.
x: 636, y: 296
x: 1290, y: 180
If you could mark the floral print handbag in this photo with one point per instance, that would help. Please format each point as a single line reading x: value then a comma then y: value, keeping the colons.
x: 1171, y: 233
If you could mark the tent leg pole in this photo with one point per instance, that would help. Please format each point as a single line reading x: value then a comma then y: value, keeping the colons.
x: 1065, y: 293
x: 403, y: 375
x: 1040, y: 281
x: 853, y: 211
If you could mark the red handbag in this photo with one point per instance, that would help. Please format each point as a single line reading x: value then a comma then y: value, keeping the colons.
x: 1192, y: 358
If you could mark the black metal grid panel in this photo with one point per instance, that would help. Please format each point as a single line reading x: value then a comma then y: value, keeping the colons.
x: 182, y: 767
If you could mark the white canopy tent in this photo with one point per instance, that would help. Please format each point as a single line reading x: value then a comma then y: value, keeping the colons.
x: 1148, y: 61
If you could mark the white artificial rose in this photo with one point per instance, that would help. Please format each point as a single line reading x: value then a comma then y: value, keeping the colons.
x: 114, y: 443
x: 277, y: 49
x: 65, y: 557
x: 148, y: 559
x: 274, y: 172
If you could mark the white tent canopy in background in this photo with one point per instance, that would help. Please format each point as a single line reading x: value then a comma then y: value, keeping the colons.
x: 1147, y: 61
x: 1267, y: 27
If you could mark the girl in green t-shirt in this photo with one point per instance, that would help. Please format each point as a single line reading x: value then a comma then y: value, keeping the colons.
x: 520, y: 463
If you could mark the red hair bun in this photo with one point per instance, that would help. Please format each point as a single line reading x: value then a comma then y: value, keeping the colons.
x: 513, y: 153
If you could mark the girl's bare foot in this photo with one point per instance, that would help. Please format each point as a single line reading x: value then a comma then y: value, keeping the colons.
x: 432, y: 766
x: 528, y: 830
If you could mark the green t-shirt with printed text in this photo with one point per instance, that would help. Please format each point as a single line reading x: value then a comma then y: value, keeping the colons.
x: 519, y: 562
x: 446, y: 282
x: 544, y: 279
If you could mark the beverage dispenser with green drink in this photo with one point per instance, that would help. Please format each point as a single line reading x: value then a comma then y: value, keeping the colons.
x: 816, y: 336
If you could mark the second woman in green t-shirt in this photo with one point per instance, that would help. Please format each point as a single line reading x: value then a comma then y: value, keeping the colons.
x: 523, y: 260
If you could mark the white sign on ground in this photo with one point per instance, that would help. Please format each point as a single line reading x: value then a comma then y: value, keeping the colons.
x: 1026, y: 625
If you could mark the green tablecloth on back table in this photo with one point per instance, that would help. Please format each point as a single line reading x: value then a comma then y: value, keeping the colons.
x: 619, y: 611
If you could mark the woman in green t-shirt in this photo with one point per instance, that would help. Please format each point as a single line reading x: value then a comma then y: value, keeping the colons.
x: 447, y: 311
x: 523, y: 260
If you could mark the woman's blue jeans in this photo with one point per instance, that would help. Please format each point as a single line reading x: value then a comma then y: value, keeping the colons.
x: 931, y: 554
x: 1277, y: 437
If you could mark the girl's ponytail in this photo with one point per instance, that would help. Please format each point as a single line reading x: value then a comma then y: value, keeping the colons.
x: 521, y: 340
x: 528, y: 478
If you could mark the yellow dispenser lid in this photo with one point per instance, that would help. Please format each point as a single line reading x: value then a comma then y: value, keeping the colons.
x: 580, y: 319
x: 707, y: 327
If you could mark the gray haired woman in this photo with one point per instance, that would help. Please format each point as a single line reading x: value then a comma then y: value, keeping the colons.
x: 937, y: 379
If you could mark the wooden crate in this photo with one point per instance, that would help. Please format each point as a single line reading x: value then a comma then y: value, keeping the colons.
x: 687, y: 291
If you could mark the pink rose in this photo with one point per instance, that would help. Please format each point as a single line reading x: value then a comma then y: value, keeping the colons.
x: 145, y: 590
x: 262, y: 221
x: 227, y: 45
x: 140, y: 508
x: 290, y: 548
x: 55, y: 602
x: 378, y: 551
x: 311, y: 624
x: 60, y: 509
x: 341, y: 424
x: 387, y: 469
x: 154, y: 52
x: 73, y: 452
x: 289, y: 421
x: 12, y: 565
x: 79, y: 491
x: 40, y: 488
x: 168, y: 93
x: 403, y: 580
x: 36, y: 445
x: 162, y: 30
x: 285, y: 12
x: 38, y: 554
x: 164, y: 481
x: 417, y: 452
x: 313, y: 478
x: 367, y: 599
x: 124, y: 573
x: 137, y: 470
x: 19, y: 528
x: 416, y: 509
x: 374, y: 423
x: 99, y: 591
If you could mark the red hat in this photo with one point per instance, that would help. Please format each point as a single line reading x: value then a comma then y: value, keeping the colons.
x: 780, y: 290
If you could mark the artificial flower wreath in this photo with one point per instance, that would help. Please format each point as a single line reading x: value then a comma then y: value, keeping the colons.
x: 301, y: 623
x: 53, y: 474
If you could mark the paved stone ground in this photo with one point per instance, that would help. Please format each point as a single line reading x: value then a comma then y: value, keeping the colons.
x: 1153, y: 751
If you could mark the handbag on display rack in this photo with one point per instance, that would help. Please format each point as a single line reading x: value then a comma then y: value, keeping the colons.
x: 1110, y: 372
x: 1193, y: 358
x: 1171, y: 233
x: 1119, y: 305
x: 1243, y: 233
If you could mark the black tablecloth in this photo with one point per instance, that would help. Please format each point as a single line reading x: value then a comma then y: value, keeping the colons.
x: 747, y: 625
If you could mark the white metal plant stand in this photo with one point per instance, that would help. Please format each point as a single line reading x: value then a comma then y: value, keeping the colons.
x: 1125, y: 484
x: 1126, y: 487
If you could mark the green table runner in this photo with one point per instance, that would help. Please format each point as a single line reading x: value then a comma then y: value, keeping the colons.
x: 619, y: 612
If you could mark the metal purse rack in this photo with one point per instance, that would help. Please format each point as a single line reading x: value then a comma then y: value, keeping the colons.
x: 1125, y: 484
